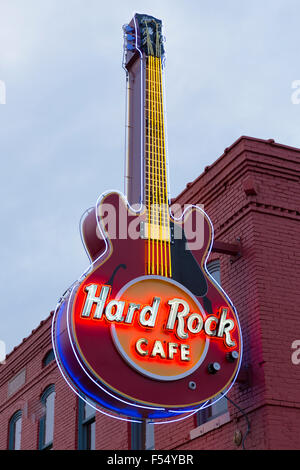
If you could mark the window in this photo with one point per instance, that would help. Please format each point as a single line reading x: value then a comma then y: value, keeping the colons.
x: 86, y: 425
x: 46, y: 428
x: 16, y: 382
x: 49, y: 357
x: 136, y: 436
x: 214, y: 270
x: 142, y: 436
x: 15, y: 426
x: 211, y: 412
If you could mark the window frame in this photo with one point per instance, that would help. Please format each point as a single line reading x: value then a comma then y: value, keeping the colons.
x: 12, y: 430
x: 42, y: 422
x: 208, y: 413
x: 84, y: 424
x: 136, y: 435
x: 142, y: 434
x: 214, y: 269
x: 48, y: 358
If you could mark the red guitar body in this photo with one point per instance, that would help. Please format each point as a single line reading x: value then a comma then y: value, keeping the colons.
x: 85, y: 348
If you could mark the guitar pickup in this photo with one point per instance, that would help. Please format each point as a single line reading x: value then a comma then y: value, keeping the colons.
x: 156, y: 232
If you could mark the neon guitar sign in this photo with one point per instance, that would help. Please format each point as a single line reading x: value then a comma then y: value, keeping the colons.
x: 146, y: 332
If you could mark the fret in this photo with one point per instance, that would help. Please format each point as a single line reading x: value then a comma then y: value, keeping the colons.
x: 148, y: 108
x: 155, y: 96
x: 154, y: 99
x: 148, y: 176
x: 148, y: 80
x: 150, y: 187
x: 156, y: 165
x: 158, y: 207
x: 152, y: 194
x: 152, y: 190
x: 148, y: 104
x: 159, y: 147
x: 149, y: 183
x: 153, y: 91
x: 151, y: 138
x: 154, y: 125
x: 150, y: 133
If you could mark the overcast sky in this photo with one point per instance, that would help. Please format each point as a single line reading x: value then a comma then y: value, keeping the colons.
x: 230, y: 69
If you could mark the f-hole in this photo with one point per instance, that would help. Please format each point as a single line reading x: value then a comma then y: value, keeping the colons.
x: 111, y: 279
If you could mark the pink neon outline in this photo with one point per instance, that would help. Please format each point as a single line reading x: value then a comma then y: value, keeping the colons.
x: 79, y: 280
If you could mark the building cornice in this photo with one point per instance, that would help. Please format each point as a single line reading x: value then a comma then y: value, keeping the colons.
x: 241, y: 157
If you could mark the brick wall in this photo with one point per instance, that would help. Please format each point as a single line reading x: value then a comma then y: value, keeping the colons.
x: 28, y: 356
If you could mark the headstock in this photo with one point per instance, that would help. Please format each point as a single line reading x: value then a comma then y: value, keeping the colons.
x: 144, y: 33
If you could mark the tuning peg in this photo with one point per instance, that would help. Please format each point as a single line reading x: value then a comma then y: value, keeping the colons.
x: 130, y: 47
x: 130, y: 37
x: 128, y: 28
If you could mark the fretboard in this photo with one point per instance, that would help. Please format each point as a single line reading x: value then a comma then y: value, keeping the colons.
x: 157, y: 232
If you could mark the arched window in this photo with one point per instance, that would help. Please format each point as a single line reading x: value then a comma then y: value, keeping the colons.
x: 49, y: 357
x: 86, y: 426
x: 15, y: 427
x: 46, y: 428
x: 214, y: 270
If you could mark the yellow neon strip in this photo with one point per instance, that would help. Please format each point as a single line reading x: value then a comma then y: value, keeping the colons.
x: 153, y: 179
x: 158, y: 231
x: 160, y: 182
x: 148, y: 168
x: 156, y: 221
x: 165, y: 178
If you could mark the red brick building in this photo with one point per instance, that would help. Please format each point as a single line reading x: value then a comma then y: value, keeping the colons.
x: 252, y: 196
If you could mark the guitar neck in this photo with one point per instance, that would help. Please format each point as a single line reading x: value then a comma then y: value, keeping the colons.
x: 156, y: 187
x: 146, y: 146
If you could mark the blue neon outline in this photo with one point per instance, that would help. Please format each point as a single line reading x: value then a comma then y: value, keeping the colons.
x: 164, y: 414
x: 70, y: 374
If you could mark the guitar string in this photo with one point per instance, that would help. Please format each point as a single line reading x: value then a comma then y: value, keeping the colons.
x: 156, y: 206
x: 151, y: 165
x: 158, y: 150
x: 148, y: 150
x: 160, y: 141
x: 163, y: 206
x: 161, y: 187
x: 155, y: 170
x: 169, y: 263
x: 153, y: 180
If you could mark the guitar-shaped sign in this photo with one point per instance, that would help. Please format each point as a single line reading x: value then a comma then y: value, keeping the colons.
x: 146, y: 332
